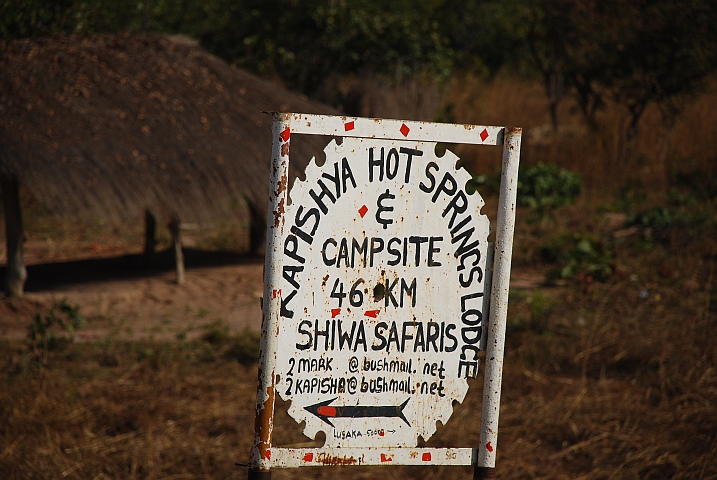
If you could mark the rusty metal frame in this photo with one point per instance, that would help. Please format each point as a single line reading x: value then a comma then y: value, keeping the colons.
x: 263, y: 456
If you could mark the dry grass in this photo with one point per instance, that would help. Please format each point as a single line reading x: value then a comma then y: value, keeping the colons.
x: 602, y: 380
x: 684, y: 144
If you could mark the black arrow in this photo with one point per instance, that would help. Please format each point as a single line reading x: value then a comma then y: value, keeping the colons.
x: 324, y: 411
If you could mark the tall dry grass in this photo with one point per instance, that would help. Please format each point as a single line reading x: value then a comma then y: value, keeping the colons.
x: 664, y: 145
x: 681, y: 142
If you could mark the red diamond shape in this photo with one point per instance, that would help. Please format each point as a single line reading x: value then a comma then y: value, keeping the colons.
x: 308, y: 457
x: 484, y: 134
x: 426, y: 457
x: 405, y: 129
x: 285, y: 134
x: 348, y: 126
x: 362, y: 211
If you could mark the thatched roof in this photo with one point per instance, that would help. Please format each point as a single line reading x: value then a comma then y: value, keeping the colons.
x: 111, y: 125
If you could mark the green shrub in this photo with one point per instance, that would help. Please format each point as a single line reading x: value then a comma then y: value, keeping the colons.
x: 63, y: 319
x: 653, y: 217
x: 545, y: 187
x: 580, y: 257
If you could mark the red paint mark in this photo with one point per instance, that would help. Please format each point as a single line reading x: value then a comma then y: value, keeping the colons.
x: 362, y: 211
x: 371, y: 313
x: 489, y: 447
x: 326, y: 411
x: 276, y: 292
x: 285, y: 134
x: 384, y: 458
x: 308, y: 457
x: 426, y: 457
x: 405, y: 129
x: 267, y: 454
x: 381, y: 434
x: 334, y: 312
x: 348, y: 126
x: 484, y: 134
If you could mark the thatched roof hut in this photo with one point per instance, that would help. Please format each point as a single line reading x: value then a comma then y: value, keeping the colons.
x: 113, y: 125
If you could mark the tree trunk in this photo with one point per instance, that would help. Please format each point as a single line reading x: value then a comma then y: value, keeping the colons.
x: 175, y: 227
x: 626, y: 142
x: 15, y: 273
x: 554, y: 87
x: 672, y: 122
x: 150, y: 235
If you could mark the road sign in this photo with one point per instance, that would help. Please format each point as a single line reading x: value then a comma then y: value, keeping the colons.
x: 381, y: 294
x: 377, y: 291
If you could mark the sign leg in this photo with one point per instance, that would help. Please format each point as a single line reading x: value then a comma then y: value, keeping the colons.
x: 499, y: 304
x: 260, y: 462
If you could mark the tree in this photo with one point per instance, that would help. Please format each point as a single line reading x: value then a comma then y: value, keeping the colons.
x: 635, y: 52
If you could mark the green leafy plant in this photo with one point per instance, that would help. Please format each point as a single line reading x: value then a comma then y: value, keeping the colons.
x: 545, y: 187
x: 42, y: 332
x: 588, y: 261
x: 653, y: 217
x: 579, y: 257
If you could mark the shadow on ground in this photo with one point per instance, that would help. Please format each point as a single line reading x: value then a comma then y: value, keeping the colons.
x: 49, y: 276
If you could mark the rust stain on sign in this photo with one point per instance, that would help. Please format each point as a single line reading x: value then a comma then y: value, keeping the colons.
x: 264, y: 422
x: 285, y: 149
x: 326, y: 459
x: 279, y: 213
x: 282, y: 185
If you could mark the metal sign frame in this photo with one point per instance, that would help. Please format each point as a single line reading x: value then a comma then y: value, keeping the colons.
x: 263, y: 456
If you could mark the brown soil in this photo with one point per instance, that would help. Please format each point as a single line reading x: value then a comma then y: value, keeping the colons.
x: 601, y: 380
x: 124, y: 299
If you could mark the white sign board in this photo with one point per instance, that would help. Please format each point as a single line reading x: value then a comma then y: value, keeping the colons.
x: 382, y: 292
x: 376, y: 287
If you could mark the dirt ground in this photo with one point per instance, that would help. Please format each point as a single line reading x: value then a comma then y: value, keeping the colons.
x: 602, y: 380
x: 125, y: 299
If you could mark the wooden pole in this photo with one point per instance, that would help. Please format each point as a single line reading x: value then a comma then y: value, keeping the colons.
x: 175, y: 227
x: 257, y: 229
x: 15, y: 274
x: 150, y: 235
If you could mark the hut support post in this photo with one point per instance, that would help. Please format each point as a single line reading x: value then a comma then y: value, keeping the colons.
x: 257, y: 229
x: 150, y: 235
x: 15, y: 273
x: 175, y: 227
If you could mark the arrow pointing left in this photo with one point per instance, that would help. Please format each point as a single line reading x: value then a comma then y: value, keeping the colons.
x: 325, y: 411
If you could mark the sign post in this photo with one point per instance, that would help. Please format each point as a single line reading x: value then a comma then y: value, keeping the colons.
x: 378, y: 301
